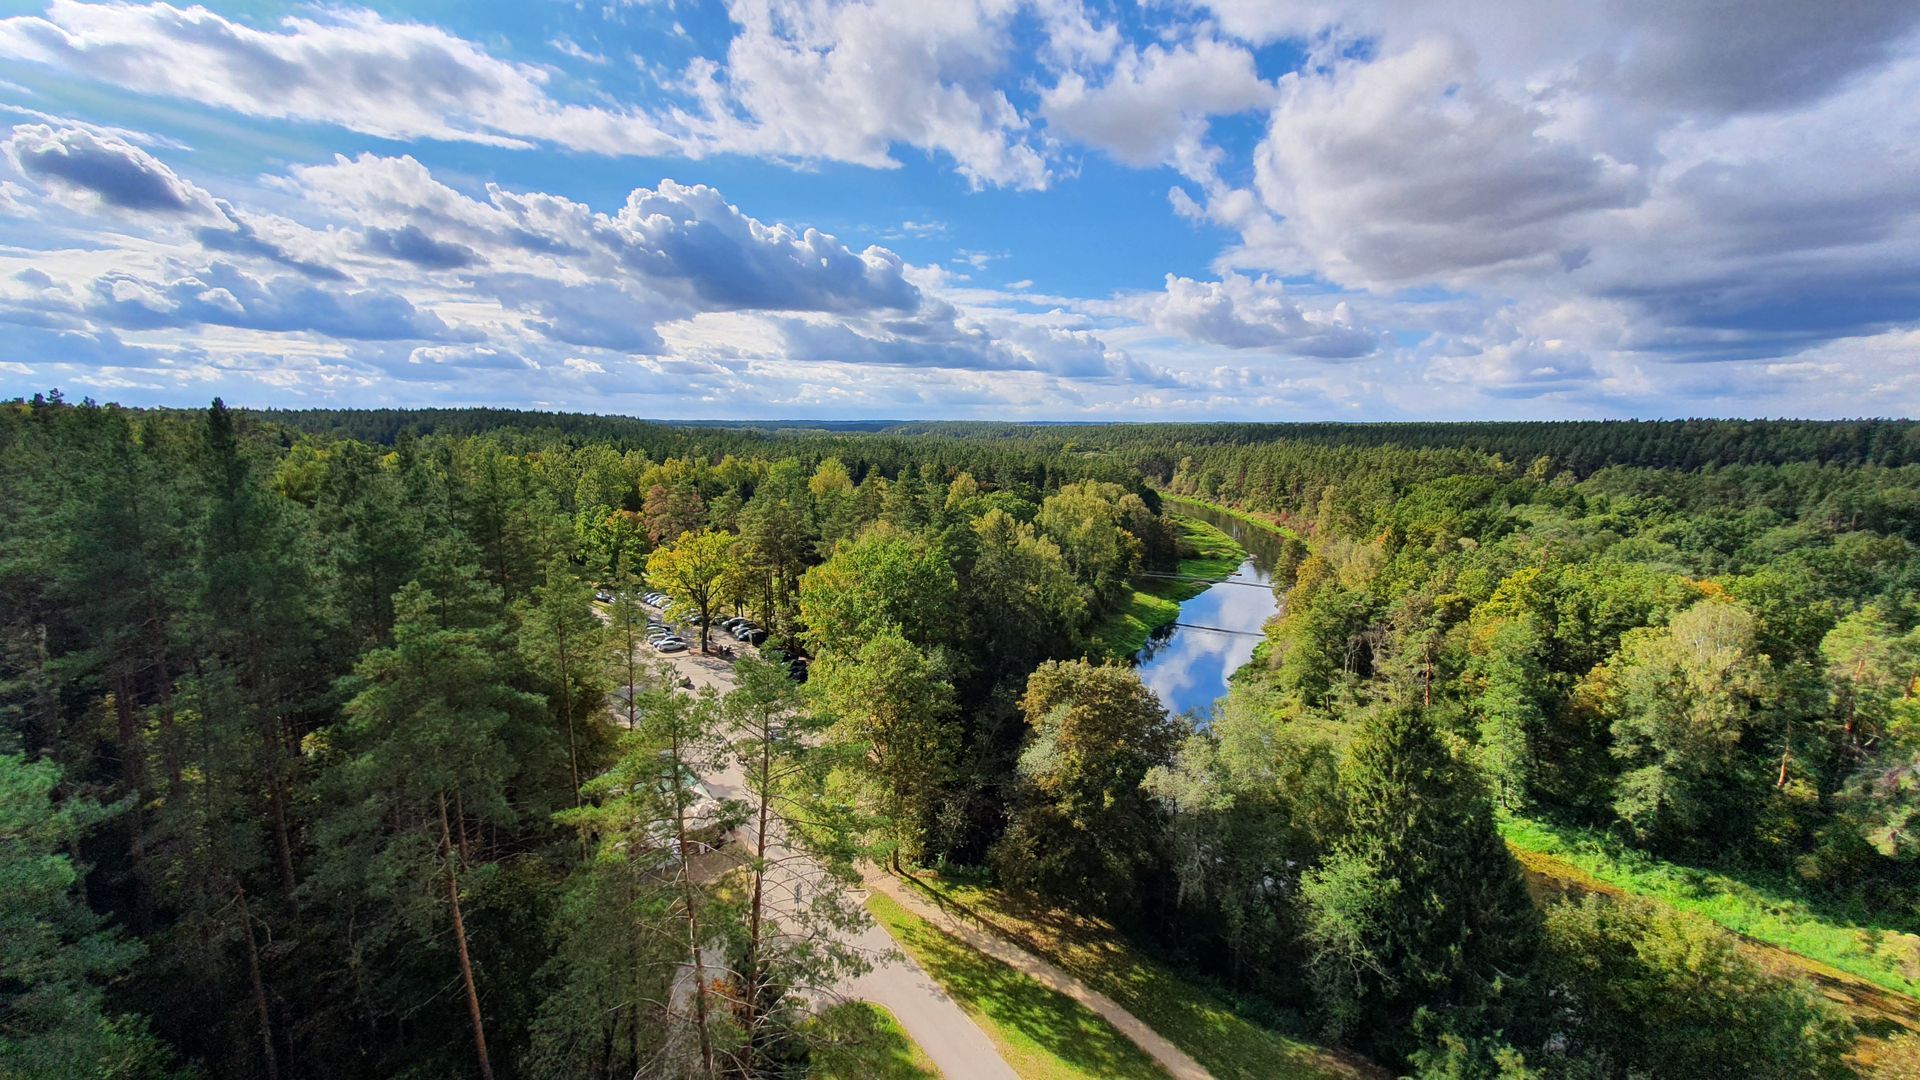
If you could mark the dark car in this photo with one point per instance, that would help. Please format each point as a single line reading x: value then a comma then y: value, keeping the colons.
x: 752, y: 635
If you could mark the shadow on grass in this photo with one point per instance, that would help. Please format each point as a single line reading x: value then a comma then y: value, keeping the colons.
x: 1193, y: 1017
x: 1020, y: 1006
x: 857, y: 1040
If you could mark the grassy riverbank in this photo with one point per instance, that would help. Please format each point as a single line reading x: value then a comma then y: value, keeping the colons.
x: 1882, y: 950
x: 1256, y: 520
x: 1208, y: 555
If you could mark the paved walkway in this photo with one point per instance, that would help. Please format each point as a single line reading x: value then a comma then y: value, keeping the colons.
x: 957, y: 1046
x: 1171, y: 1058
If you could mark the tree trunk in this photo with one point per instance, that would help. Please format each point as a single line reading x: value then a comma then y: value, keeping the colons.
x: 282, y: 841
x: 460, y: 943
x: 694, y: 940
x: 566, y: 706
x: 755, y: 978
x: 272, y: 1057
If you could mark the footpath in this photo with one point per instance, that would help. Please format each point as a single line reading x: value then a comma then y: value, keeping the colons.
x: 1174, y: 1060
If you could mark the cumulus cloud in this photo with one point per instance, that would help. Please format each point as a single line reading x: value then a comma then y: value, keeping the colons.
x: 1238, y: 312
x: 683, y: 242
x: 410, y: 243
x: 243, y: 237
x: 1673, y: 163
x: 802, y: 81
x: 224, y: 295
x: 690, y: 239
x: 1152, y: 105
x: 94, y: 170
x: 1559, y: 206
x: 1411, y: 168
x: 847, y: 81
x: 352, y: 68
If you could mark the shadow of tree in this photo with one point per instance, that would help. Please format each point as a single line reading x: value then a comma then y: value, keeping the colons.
x: 856, y: 1040
x: 1051, y: 1020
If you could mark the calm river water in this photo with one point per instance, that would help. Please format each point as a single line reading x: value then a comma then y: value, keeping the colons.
x: 1187, y: 665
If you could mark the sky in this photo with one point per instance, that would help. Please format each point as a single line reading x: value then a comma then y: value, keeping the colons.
x: 991, y: 209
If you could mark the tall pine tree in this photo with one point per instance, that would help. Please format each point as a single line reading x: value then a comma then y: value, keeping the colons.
x: 1419, y: 922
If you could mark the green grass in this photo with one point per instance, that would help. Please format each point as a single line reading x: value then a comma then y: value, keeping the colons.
x: 1882, y: 950
x: 858, y: 1040
x: 1042, y: 1034
x: 1250, y: 518
x: 1155, y: 602
x: 1193, y: 1017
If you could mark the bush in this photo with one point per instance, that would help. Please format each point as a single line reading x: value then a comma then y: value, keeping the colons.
x: 1646, y: 990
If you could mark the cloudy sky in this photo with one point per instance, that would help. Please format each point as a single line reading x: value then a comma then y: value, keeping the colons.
x: 1236, y: 209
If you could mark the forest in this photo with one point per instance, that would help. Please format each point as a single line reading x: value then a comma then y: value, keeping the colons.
x: 330, y: 746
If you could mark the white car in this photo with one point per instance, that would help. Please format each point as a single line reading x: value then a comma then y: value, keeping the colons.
x: 706, y: 818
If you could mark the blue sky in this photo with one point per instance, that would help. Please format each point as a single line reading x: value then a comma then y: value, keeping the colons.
x: 1041, y: 209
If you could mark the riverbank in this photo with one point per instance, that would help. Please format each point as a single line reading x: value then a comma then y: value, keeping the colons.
x: 1875, y: 947
x: 1255, y: 520
x: 1155, y: 602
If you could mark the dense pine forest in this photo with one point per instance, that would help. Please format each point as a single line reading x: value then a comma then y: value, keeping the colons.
x: 330, y: 745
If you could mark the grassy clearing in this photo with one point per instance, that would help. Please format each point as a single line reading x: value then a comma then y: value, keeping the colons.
x: 1192, y: 1017
x: 1879, y: 949
x: 1210, y: 555
x: 862, y: 1041
x: 1042, y: 1034
x: 1256, y: 520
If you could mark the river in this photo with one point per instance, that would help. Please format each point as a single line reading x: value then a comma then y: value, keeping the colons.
x: 1187, y: 664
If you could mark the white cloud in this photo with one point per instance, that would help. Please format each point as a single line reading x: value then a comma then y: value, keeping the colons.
x: 352, y: 68
x: 1151, y: 106
x: 1238, y: 312
x: 1411, y: 168
x: 806, y: 79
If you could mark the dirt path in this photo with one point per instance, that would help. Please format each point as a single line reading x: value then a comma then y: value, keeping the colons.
x: 1170, y: 1057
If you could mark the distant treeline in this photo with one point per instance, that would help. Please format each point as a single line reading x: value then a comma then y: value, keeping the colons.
x: 1582, y: 446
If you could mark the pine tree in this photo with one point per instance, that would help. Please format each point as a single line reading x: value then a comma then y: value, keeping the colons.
x: 647, y: 819
x: 55, y: 956
x: 798, y: 917
x: 565, y: 645
x: 1418, y: 922
x: 421, y: 752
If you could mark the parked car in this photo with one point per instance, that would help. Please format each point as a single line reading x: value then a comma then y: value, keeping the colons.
x: 670, y: 645
x: 706, y: 817
x: 730, y: 625
x: 752, y: 635
x: 797, y: 669
x: 603, y: 596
